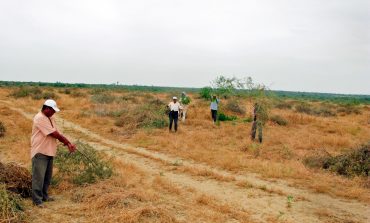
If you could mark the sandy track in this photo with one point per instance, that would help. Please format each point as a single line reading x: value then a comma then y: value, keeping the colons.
x: 264, y: 200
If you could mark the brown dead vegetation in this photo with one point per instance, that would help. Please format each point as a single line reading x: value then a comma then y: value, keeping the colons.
x: 133, y: 196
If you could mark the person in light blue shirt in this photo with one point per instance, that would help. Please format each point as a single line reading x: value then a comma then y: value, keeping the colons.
x: 214, y: 107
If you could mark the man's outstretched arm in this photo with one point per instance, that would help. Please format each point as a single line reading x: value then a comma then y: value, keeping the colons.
x: 63, y: 140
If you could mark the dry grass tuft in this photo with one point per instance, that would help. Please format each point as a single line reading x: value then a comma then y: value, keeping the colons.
x: 148, y: 214
x: 16, y: 179
x: 120, y: 200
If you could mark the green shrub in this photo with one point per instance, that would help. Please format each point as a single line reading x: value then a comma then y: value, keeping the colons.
x: 11, y: 207
x: 77, y: 94
x: 279, y: 120
x: 73, y: 92
x: 354, y: 163
x: 206, y: 93
x: 303, y: 107
x: 158, y: 123
x: 283, y: 105
x: 146, y: 115
x: 85, y: 166
x: 223, y: 117
x: 247, y: 120
x: 234, y: 106
x: 22, y: 92
x: 323, y: 111
x: 97, y: 91
x: 152, y: 115
x: 2, y: 129
x: 349, y: 109
x: 33, y: 92
x: 185, y: 100
x: 102, y: 98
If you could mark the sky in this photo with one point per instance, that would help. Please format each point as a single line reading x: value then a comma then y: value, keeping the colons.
x: 297, y: 45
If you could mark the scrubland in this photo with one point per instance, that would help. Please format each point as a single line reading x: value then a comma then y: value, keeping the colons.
x: 298, y: 138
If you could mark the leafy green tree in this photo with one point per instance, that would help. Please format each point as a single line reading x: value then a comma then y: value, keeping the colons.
x: 206, y: 93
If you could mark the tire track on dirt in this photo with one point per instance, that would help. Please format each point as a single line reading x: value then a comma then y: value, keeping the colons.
x: 261, y: 204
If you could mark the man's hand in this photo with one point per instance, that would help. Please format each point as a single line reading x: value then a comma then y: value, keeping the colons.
x: 71, y: 147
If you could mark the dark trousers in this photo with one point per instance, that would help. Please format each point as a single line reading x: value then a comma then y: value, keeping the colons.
x: 174, y: 117
x: 42, y: 170
x: 214, y: 115
x: 256, y: 126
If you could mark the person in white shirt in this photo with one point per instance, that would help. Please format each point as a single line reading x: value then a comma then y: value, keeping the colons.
x: 175, y: 108
x: 214, y: 108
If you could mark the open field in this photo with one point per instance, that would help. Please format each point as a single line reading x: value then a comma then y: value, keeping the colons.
x: 204, y: 172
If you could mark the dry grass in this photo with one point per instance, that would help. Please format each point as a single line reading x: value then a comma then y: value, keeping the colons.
x: 16, y: 179
x: 109, y: 201
x: 129, y: 196
x: 226, y: 146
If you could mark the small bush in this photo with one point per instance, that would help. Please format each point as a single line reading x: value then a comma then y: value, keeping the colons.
x: 85, y: 166
x: 223, y: 117
x: 324, y: 111
x: 103, y: 98
x: 152, y: 115
x: 206, y: 93
x: 78, y: 94
x: 33, y: 92
x: 11, y: 208
x: 158, y: 123
x: 148, y: 115
x: 316, y: 159
x: 185, y: 100
x: 303, y: 107
x: 349, y: 109
x: 247, y: 120
x: 16, y: 178
x: 354, y: 163
x: 283, y: 105
x: 128, y: 98
x: 97, y: 91
x: 279, y: 120
x: 234, y: 106
x: 65, y: 91
x: 103, y: 111
x: 2, y: 129
x: 22, y: 92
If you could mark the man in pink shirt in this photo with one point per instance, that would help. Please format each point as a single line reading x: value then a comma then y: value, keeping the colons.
x: 43, y: 149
